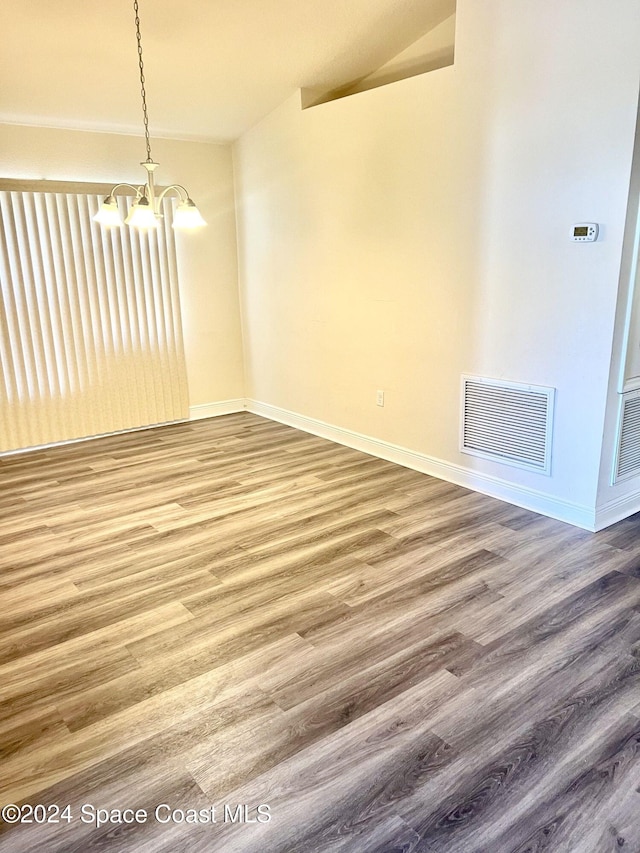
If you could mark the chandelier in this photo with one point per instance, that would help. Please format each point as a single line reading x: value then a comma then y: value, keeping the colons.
x: 145, y: 210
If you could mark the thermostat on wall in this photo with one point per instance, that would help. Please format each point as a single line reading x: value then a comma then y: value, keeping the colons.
x: 585, y: 232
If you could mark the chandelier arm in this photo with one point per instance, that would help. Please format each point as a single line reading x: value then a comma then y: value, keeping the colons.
x: 184, y: 195
x: 139, y: 191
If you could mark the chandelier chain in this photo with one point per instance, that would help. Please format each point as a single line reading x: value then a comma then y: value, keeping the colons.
x: 142, y: 81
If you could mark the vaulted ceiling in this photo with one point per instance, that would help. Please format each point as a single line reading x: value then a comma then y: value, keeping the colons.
x: 213, y: 67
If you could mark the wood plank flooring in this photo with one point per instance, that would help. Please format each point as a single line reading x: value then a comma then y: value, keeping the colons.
x: 231, y: 614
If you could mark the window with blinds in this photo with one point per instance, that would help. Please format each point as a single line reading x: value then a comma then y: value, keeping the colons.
x: 90, y: 330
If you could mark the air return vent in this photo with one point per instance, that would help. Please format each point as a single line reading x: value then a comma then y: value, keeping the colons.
x: 507, y: 422
x: 627, y: 463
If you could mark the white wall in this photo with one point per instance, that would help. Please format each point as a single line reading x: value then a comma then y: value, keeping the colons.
x: 400, y: 237
x: 618, y: 500
x: 207, y: 258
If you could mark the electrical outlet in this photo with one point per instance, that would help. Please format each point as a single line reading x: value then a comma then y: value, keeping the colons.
x: 380, y: 398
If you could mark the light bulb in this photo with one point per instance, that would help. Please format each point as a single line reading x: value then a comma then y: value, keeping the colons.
x: 108, y: 215
x: 141, y: 215
x: 187, y: 215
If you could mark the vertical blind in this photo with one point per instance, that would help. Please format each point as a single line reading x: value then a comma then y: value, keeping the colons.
x: 90, y: 330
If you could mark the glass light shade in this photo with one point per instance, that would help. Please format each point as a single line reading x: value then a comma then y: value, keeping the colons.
x: 141, y: 215
x: 187, y: 215
x: 108, y: 215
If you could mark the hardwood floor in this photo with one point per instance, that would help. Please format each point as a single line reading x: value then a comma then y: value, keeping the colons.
x: 231, y: 614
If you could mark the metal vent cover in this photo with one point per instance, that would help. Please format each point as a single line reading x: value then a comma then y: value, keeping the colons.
x: 507, y: 422
x: 627, y: 460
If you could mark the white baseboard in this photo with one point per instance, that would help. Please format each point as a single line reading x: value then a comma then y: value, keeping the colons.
x: 206, y: 410
x: 580, y: 516
x: 495, y: 487
x: 214, y: 410
x: 616, y: 510
x: 83, y: 438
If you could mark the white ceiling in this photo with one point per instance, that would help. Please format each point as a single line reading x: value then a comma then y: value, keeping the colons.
x: 213, y: 67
